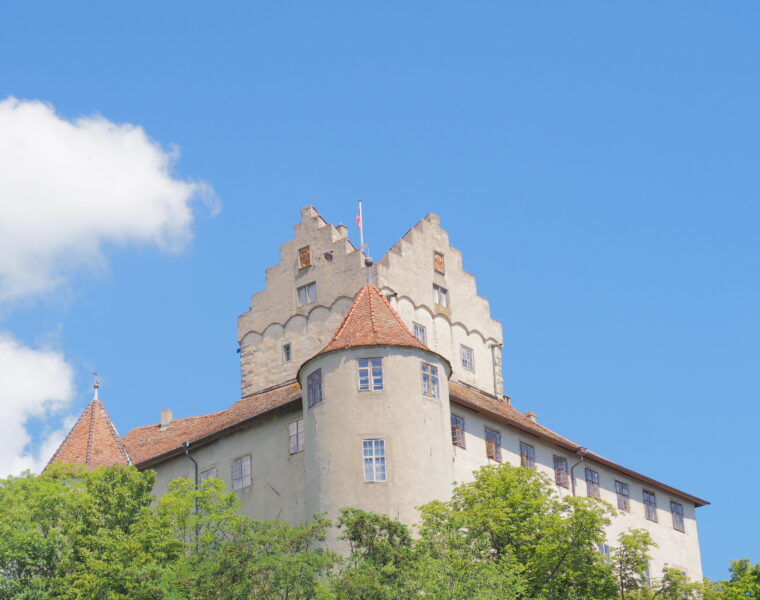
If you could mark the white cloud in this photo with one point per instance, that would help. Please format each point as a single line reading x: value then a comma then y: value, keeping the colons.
x: 69, y: 187
x: 33, y: 384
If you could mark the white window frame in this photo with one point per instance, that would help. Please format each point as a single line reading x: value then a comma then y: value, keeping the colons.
x: 295, y: 436
x: 207, y: 474
x: 430, y: 381
x: 241, y: 472
x: 374, y: 461
x: 458, y: 431
x: 314, y: 388
x: 420, y: 332
x: 440, y: 295
x: 467, y: 356
x: 496, y: 444
x: 527, y: 455
x: 307, y: 294
x: 680, y: 519
x: 369, y: 374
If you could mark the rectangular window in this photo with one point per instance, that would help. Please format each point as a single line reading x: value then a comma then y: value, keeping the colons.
x: 370, y: 374
x: 592, y: 483
x: 307, y: 293
x: 438, y: 262
x: 561, y: 473
x: 623, y: 500
x: 493, y: 444
x: 677, y: 509
x: 295, y: 436
x: 457, y: 431
x: 314, y: 388
x: 304, y: 257
x: 286, y: 353
x: 650, y: 506
x: 207, y: 474
x: 604, y: 549
x: 241, y: 472
x: 440, y: 295
x: 468, y: 358
x: 373, y: 452
x: 527, y: 455
x: 430, y: 380
x: 420, y: 333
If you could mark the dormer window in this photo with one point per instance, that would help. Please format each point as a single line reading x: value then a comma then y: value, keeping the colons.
x: 307, y: 293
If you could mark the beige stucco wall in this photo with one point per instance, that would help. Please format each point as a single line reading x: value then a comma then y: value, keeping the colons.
x: 277, y: 477
x: 416, y: 430
x: 274, y: 312
x: 677, y: 549
x: 407, y: 273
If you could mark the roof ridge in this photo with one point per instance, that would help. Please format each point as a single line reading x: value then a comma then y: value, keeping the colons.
x: 91, y: 408
x: 68, y: 435
x: 345, y: 319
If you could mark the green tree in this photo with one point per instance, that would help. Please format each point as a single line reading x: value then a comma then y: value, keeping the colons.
x: 630, y: 561
x: 228, y: 556
x: 72, y: 533
x: 744, y: 582
x: 516, y: 513
x: 381, y: 560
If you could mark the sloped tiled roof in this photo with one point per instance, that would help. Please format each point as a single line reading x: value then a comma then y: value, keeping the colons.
x: 502, y: 410
x: 93, y: 441
x: 371, y: 322
x: 149, y: 444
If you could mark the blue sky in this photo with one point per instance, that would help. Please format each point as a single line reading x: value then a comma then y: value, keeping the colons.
x: 595, y: 162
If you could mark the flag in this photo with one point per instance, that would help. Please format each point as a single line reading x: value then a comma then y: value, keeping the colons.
x: 359, y: 218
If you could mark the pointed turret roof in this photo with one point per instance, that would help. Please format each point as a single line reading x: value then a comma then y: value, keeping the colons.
x: 93, y: 441
x: 371, y: 321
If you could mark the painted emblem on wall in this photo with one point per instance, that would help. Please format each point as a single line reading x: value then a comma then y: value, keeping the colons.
x: 304, y: 257
x: 438, y: 262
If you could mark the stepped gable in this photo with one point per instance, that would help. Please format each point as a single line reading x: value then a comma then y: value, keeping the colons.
x: 371, y: 321
x: 93, y: 441
x: 149, y: 444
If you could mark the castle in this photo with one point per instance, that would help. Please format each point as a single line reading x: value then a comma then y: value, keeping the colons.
x: 375, y: 395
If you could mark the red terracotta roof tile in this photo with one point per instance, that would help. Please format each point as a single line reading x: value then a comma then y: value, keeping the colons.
x: 503, y: 411
x: 149, y: 442
x: 371, y: 322
x: 93, y: 441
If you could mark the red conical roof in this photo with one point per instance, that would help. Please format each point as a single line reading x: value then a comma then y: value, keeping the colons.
x: 371, y: 322
x: 92, y: 441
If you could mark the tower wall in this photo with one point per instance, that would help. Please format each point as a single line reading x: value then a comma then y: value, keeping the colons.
x: 416, y: 430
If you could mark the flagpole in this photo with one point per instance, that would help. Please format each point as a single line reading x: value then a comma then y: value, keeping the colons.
x: 361, y: 228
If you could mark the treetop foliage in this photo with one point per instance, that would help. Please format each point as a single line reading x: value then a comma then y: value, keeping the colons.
x: 75, y: 534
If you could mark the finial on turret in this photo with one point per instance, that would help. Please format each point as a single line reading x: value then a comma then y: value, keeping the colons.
x: 95, y: 386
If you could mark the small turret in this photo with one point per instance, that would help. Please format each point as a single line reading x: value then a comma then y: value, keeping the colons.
x: 377, y: 417
x: 93, y: 440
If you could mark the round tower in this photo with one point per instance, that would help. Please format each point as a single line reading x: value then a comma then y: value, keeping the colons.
x: 377, y: 417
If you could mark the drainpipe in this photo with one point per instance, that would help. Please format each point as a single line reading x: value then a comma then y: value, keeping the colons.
x: 195, y: 501
x: 581, y: 452
x: 187, y: 453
